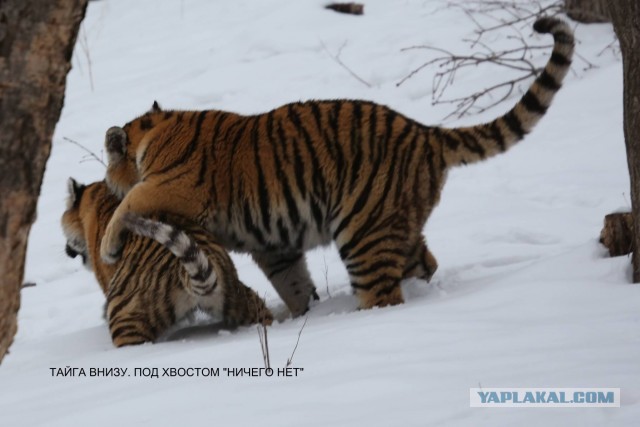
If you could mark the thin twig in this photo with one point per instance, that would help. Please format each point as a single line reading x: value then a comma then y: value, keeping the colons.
x: 613, y: 46
x: 264, y: 344
x: 589, y: 64
x: 262, y: 336
x: 290, y: 359
x: 337, y: 59
x: 84, y: 45
x: 488, y: 17
x: 450, y: 63
x: 90, y: 153
x: 326, y: 274
x: 466, y: 105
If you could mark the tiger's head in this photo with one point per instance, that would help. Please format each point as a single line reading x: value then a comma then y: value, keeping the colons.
x: 72, y: 225
x: 89, y: 209
x: 121, y: 144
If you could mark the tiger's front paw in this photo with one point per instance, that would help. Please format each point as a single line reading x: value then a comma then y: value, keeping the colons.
x: 111, y: 245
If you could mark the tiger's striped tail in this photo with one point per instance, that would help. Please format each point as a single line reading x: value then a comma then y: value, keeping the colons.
x: 474, y: 143
x: 196, y: 263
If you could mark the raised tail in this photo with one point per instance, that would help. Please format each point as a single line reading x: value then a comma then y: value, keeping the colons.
x: 474, y: 143
x: 196, y: 263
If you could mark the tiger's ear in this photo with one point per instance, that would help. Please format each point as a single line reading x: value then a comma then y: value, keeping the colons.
x: 115, y: 143
x: 155, y: 108
x: 75, y: 192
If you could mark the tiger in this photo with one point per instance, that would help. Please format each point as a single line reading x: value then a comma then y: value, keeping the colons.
x: 305, y: 174
x: 165, y: 274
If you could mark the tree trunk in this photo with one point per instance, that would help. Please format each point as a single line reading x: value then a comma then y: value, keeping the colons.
x: 588, y: 11
x: 625, y: 15
x: 36, y: 42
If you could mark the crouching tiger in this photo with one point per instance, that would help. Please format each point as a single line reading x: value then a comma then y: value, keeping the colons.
x: 304, y: 174
x: 165, y: 273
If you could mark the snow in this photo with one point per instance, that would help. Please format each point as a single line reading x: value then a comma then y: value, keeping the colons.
x: 524, y: 295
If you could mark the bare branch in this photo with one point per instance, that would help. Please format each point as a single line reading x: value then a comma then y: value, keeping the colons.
x: 264, y: 344
x: 290, y: 359
x: 449, y: 64
x: 262, y: 336
x: 83, y: 41
x: 89, y: 152
x: 326, y: 275
x: 467, y: 105
x: 613, y: 46
x: 337, y: 59
x: 488, y: 17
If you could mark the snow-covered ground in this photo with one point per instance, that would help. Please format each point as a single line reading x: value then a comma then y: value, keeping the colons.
x: 524, y: 295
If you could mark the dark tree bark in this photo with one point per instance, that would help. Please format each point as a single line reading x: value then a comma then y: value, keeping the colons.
x: 588, y: 11
x: 350, y: 8
x: 617, y: 233
x: 36, y: 43
x: 625, y: 15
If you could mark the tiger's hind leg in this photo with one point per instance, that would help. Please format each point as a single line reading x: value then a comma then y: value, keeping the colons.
x: 145, y: 315
x: 289, y: 275
x: 129, y: 323
x: 421, y: 263
x: 243, y: 306
x: 375, y: 263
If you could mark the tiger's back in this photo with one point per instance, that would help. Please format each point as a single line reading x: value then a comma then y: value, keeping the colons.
x: 306, y: 174
x: 150, y: 289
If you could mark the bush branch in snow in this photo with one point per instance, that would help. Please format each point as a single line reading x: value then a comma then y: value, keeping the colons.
x: 290, y: 359
x: 449, y: 64
x: 337, y: 59
x: 263, y: 337
x: 264, y: 344
x: 83, y: 42
x: 488, y: 17
x: 90, y: 153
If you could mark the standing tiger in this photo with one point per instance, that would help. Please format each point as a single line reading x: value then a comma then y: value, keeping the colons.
x: 307, y: 173
x: 165, y: 273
